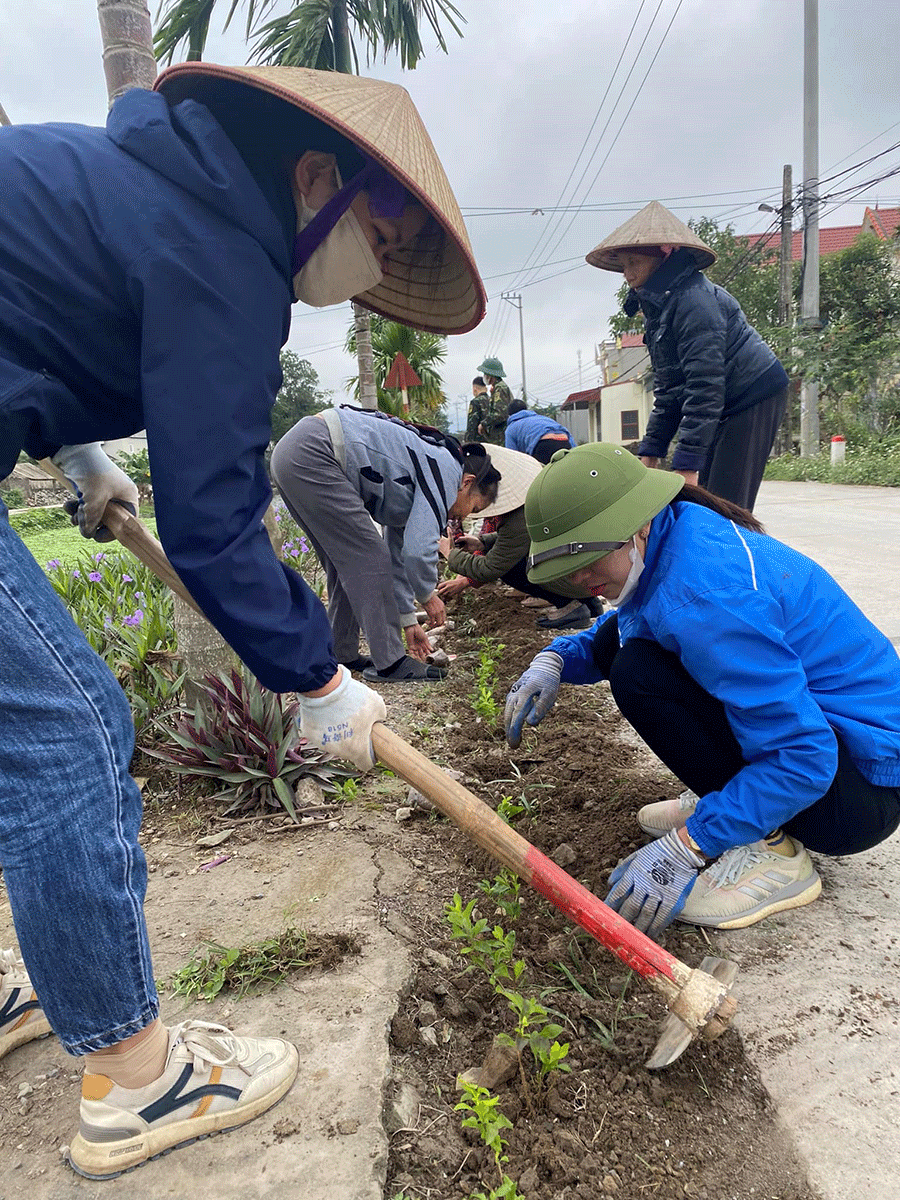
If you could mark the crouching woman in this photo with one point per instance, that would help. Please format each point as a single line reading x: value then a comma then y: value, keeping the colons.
x: 742, y: 665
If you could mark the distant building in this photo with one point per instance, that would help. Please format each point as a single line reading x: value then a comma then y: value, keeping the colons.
x: 883, y: 222
x: 618, y: 408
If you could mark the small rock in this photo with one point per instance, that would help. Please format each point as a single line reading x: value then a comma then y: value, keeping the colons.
x: 427, y: 1013
x: 171, y: 873
x: 501, y: 1064
x: 528, y: 1181
x: 347, y: 1126
x: 25, y: 1089
x: 403, y: 1032
x: 215, y: 839
x: 332, y: 825
x: 402, y: 1111
x: 428, y: 1035
x: 610, y: 1184
x: 457, y: 775
x: 564, y: 855
x: 403, y: 814
x: 436, y: 959
x: 438, y: 657
x: 416, y: 799
x: 308, y: 793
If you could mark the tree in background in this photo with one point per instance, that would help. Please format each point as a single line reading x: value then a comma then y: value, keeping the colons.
x: 424, y: 351
x: 136, y: 465
x: 300, y: 394
x: 316, y: 33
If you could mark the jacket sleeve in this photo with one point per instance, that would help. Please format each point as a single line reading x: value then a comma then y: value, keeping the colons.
x: 662, y: 423
x: 403, y: 592
x: 577, y: 652
x: 699, y: 327
x: 212, y: 319
x: 507, y: 548
x: 731, y: 641
x: 420, y: 546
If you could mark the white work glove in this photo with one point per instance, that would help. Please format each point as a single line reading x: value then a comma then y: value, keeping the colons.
x: 532, y: 695
x: 97, y: 480
x: 340, y: 724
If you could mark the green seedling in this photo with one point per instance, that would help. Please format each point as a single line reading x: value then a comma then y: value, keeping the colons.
x: 504, y: 891
x: 486, y: 1117
x: 606, y: 1034
x: 508, y: 809
x: 485, y: 703
x: 506, y: 1190
x: 242, y: 969
x: 535, y: 1030
x: 489, y: 948
x: 348, y: 790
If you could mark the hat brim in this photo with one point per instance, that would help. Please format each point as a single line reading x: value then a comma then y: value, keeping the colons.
x: 607, y: 257
x: 434, y: 285
x: 518, y: 472
x: 617, y: 523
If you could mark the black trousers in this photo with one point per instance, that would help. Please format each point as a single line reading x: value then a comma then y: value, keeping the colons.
x: 547, y: 447
x: 737, y: 457
x: 688, y: 729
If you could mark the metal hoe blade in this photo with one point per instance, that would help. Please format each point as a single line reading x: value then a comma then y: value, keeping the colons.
x: 675, y: 1036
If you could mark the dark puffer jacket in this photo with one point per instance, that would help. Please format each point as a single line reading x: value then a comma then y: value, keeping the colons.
x: 708, y: 361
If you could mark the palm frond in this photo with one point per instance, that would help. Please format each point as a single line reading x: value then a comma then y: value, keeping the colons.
x: 185, y: 21
x: 398, y: 22
x: 303, y: 37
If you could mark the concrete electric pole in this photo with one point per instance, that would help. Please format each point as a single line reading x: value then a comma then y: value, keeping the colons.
x: 515, y: 299
x: 809, y: 304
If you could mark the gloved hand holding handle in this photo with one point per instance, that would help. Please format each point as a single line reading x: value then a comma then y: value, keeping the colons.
x: 650, y: 887
x: 97, y: 480
x: 340, y: 722
x: 532, y: 695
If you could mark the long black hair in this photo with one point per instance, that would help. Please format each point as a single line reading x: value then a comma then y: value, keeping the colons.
x: 477, y: 462
x: 692, y: 493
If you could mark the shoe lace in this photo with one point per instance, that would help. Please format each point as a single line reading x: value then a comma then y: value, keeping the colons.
x: 732, y: 865
x: 212, y: 1045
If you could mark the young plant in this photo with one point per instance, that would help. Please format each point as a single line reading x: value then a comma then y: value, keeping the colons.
x: 246, y: 737
x: 484, y: 1115
x: 491, y: 949
x: 503, y: 889
x: 535, y: 1030
x: 485, y: 703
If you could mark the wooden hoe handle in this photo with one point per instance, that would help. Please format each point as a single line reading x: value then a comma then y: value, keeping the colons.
x: 701, y: 1001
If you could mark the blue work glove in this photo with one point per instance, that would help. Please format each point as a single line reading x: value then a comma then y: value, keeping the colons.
x: 97, y: 481
x: 650, y: 887
x: 532, y: 695
x: 340, y: 723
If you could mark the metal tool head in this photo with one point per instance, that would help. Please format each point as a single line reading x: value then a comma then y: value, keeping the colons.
x: 675, y: 1036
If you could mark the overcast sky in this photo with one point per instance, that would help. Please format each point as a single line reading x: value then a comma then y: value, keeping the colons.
x: 511, y: 107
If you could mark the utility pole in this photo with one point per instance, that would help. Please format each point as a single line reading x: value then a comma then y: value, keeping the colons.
x: 784, y: 278
x: 809, y: 305
x: 515, y: 299
x: 579, y: 370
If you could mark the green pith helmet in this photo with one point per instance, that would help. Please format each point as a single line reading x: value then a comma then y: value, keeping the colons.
x: 588, y: 501
x: 492, y: 366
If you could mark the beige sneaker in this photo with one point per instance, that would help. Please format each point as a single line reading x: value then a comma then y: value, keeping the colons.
x: 213, y: 1081
x: 664, y: 815
x: 21, y: 1017
x: 749, y: 883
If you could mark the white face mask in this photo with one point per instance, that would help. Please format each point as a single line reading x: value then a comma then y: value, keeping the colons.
x: 341, y: 267
x: 637, y: 567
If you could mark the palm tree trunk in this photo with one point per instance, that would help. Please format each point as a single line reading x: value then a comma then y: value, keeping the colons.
x: 127, y: 37
x: 368, y: 393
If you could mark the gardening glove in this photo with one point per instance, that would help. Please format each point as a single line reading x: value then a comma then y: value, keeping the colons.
x: 340, y: 724
x: 97, y: 481
x: 532, y: 695
x: 650, y: 887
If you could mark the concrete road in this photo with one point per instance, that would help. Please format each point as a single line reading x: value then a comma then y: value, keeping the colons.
x: 818, y: 991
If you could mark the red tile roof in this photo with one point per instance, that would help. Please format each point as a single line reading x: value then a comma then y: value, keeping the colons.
x: 632, y: 339
x: 592, y: 395
x: 883, y: 222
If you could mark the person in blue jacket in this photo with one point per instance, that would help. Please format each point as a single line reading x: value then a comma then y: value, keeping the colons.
x: 742, y: 665
x: 147, y: 273
x: 719, y: 390
x: 531, y: 433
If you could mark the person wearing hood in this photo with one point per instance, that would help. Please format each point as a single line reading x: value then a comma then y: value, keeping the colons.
x: 532, y: 433
x: 501, y: 555
x: 719, y: 390
x: 147, y: 273
x: 743, y: 666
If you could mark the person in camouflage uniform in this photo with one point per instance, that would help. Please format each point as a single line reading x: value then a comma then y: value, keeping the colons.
x: 478, y: 410
x: 494, y: 424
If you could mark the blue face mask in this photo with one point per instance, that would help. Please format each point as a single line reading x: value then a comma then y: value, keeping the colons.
x: 637, y: 567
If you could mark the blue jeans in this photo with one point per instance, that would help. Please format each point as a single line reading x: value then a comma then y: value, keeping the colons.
x: 69, y: 816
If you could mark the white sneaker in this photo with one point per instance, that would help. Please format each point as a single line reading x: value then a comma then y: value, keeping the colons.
x: 664, y: 815
x: 213, y: 1081
x: 21, y: 1017
x: 749, y: 883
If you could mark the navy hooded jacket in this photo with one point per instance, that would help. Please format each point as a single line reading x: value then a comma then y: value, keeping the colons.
x: 145, y: 284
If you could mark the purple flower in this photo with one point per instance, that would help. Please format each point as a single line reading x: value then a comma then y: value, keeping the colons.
x: 135, y: 619
x: 303, y: 546
x: 99, y: 557
x: 127, y: 579
x: 52, y: 564
x: 95, y: 576
x: 76, y: 574
x: 295, y: 553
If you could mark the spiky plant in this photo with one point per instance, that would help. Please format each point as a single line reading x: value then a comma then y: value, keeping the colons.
x: 246, y: 737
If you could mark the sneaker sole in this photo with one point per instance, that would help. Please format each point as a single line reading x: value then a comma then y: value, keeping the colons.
x: 94, y: 1159
x: 30, y: 1032
x: 765, y: 909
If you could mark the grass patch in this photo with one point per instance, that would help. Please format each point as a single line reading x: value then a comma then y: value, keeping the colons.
x: 66, y: 544
x: 873, y: 465
x: 265, y: 964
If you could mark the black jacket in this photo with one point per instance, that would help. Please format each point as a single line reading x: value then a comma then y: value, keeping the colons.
x: 708, y: 361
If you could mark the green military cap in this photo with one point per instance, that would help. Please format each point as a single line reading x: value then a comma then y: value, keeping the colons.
x: 492, y: 366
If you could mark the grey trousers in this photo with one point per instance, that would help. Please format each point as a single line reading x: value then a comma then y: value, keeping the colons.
x: 737, y: 458
x: 357, y: 562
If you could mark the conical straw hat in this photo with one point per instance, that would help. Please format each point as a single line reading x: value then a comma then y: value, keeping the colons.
x: 517, y: 473
x: 653, y: 226
x: 429, y: 286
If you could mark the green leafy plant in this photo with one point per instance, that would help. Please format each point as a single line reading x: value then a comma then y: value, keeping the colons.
x: 489, y: 948
x: 12, y: 497
x: 37, y: 520
x: 485, y: 703
x: 136, y: 465
x: 484, y: 1115
x: 246, y: 737
x: 242, y: 969
x: 535, y: 1030
x: 503, y: 889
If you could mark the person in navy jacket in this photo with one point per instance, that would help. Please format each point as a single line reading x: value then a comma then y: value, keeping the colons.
x: 743, y: 666
x: 531, y: 433
x: 147, y: 273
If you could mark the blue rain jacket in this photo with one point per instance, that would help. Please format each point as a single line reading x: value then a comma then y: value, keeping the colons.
x: 145, y: 283
x: 525, y: 429
x: 770, y: 634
